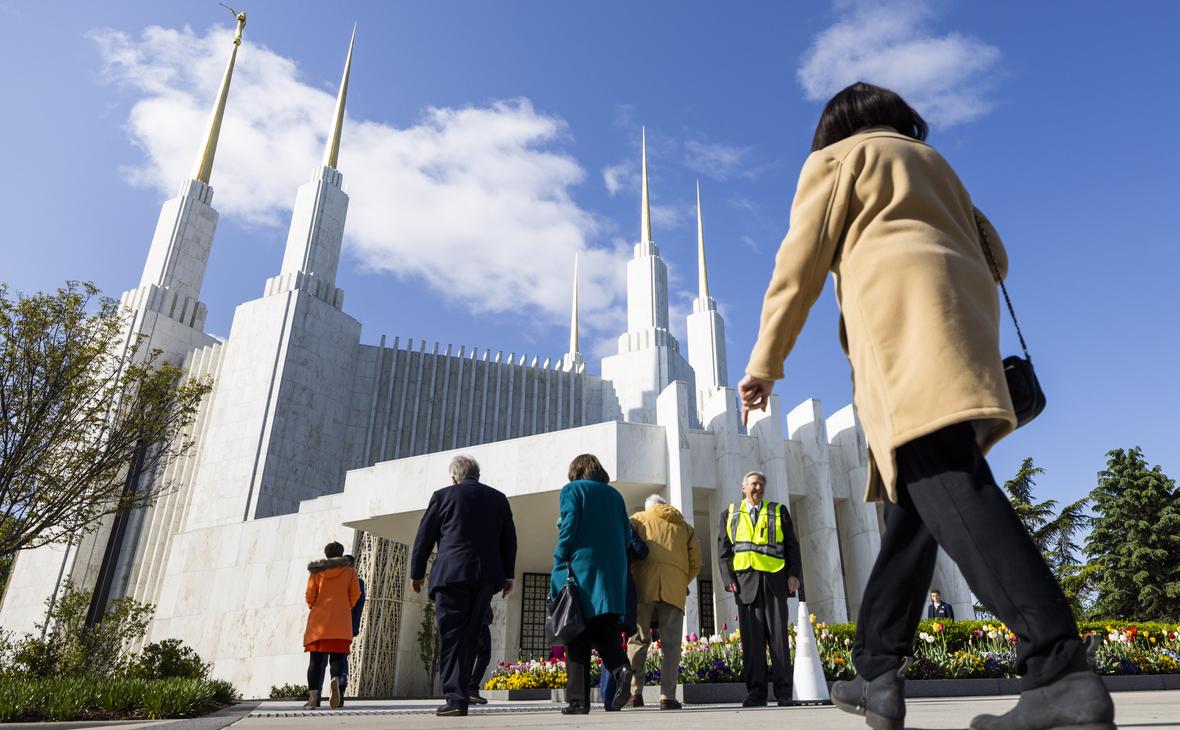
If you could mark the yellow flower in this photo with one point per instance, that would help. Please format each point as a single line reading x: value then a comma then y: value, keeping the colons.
x: 812, y: 616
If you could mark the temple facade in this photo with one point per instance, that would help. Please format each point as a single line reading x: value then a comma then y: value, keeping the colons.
x: 311, y: 435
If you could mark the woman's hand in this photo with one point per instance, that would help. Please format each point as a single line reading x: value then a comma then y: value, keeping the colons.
x: 755, y: 393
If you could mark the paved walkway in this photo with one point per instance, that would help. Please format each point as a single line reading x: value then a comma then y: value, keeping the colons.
x: 1154, y: 710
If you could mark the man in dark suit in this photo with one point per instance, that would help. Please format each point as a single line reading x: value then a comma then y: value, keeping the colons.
x: 759, y: 557
x: 938, y: 609
x: 471, y: 523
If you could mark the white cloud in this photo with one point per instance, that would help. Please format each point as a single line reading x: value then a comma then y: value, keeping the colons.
x: 719, y: 161
x: 888, y: 42
x: 476, y: 201
x: 674, y: 215
x: 623, y: 177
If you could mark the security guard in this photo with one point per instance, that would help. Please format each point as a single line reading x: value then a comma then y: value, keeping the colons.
x: 759, y: 557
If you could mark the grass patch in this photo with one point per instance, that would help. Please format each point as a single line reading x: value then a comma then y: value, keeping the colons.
x: 110, y: 698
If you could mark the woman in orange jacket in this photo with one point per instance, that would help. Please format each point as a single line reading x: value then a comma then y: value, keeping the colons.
x: 332, y: 591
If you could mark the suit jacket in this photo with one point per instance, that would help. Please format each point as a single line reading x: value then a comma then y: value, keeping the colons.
x: 749, y: 582
x: 471, y: 523
x: 944, y: 610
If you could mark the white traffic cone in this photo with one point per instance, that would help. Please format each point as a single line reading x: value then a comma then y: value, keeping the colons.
x: 809, y: 685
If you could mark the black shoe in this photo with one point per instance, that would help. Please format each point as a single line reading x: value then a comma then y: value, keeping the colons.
x: 786, y: 703
x: 754, y: 701
x: 572, y: 709
x: 449, y: 710
x: 881, y: 701
x: 623, y: 676
x: 475, y: 698
x: 340, y: 702
x: 670, y: 704
x: 1077, y: 700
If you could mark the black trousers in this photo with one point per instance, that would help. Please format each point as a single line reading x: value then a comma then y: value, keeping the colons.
x: 763, y: 624
x: 601, y: 632
x: 946, y: 497
x: 317, y: 662
x: 459, y: 610
x: 483, y: 656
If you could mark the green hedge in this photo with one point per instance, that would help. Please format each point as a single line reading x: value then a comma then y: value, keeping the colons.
x: 110, y: 698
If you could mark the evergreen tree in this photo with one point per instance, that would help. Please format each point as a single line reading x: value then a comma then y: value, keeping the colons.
x: 1053, y: 531
x: 1135, y: 544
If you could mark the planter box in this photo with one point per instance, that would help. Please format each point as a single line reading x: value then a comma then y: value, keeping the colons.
x: 734, y: 692
x: 518, y: 695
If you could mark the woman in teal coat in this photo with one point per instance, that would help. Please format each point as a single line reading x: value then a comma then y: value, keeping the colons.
x: 592, y: 538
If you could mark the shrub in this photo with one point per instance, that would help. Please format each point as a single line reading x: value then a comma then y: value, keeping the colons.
x: 170, y: 658
x: 289, y: 692
x: 71, y: 648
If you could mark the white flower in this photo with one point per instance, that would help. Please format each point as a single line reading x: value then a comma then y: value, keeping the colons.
x: 992, y: 634
x: 716, y: 639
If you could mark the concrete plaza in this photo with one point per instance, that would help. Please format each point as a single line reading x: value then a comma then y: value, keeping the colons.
x: 1156, y: 710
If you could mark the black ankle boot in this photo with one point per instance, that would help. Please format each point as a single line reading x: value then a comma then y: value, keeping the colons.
x: 623, y: 676
x: 1078, y: 701
x: 881, y: 701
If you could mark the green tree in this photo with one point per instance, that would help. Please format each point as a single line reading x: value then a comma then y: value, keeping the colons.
x: 84, y: 413
x: 1134, y: 548
x: 1053, y: 531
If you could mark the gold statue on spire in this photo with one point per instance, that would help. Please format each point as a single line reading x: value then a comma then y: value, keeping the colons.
x: 332, y: 148
x: 204, y: 167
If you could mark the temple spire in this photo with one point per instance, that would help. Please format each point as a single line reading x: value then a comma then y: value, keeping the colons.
x: 574, y: 311
x: 204, y: 165
x: 645, y: 214
x: 702, y: 276
x: 332, y: 148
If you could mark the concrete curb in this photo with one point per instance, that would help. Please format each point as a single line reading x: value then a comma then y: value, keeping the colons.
x: 721, y: 693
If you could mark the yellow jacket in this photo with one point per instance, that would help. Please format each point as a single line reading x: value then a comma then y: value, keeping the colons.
x: 673, y: 559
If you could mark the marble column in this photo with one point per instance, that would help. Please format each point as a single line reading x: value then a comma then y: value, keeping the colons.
x: 672, y: 412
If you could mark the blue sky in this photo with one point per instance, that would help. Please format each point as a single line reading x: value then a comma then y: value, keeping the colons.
x: 487, y: 142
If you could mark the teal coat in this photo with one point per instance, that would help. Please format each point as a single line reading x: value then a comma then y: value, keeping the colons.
x: 592, y: 537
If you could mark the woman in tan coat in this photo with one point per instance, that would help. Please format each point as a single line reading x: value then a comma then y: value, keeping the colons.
x: 332, y: 591
x: 886, y: 215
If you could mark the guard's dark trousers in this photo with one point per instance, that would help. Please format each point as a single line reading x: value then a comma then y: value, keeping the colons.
x: 459, y: 609
x: 946, y: 497
x: 764, y: 623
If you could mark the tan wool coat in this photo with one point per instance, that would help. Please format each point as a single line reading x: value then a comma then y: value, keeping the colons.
x: 889, y: 218
x: 673, y: 559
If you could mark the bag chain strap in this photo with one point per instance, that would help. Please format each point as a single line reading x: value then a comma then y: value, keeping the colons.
x: 987, y: 249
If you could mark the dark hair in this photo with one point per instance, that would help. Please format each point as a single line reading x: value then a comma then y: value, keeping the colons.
x: 587, y: 466
x: 863, y: 105
x: 351, y: 560
x: 935, y: 590
x: 333, y: 550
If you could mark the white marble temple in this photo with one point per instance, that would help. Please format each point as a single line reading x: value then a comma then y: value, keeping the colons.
x: 311, y: 435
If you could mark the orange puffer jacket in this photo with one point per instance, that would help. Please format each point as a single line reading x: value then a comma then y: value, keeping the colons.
x: 332, y: 591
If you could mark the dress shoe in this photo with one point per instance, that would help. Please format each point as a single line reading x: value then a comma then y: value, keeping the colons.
x: 754, y: 701
x: 1078, y: 701
x: 670, y: 704
x: 881, y: 700
x: 475, y: 698
x: 573, y: 709
x: 786, y: 703
x: 449, y: 710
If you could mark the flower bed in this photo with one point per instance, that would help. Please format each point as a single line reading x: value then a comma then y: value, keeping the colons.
x: 952, y: 650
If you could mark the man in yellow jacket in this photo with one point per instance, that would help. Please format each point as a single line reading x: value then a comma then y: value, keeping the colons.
x: 661, y: 586
x: 759, y: 557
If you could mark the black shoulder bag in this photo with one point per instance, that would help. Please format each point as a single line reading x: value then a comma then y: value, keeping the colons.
x: 564, y: 618
x: 1028, y: 400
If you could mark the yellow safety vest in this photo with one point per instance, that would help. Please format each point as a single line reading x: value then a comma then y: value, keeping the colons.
x: 757, y: 546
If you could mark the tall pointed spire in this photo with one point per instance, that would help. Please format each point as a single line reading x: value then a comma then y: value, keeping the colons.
x: 702, y: 276
x: 574, y: 311
x: 645, y: 214
x: 332, y: 148
x: 204, y: 166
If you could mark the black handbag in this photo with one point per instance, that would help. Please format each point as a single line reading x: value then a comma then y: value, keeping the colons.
x: 1028, y: 400
x: 564, y: 618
